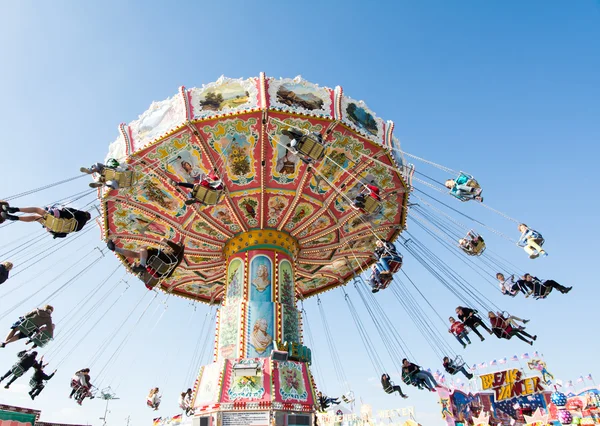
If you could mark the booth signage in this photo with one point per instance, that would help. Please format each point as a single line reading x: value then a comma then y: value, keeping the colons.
x: 510, y: 384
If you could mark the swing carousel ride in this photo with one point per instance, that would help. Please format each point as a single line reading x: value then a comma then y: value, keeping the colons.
x: 255, y: 194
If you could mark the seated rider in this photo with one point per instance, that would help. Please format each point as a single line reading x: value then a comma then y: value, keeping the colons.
x: 185, y: 402
x: 211, y: 181
x: 369, y: 189
x: 386, y: 252
x: 390, y: 387
x: 470, y: 318
x: 509, y: 286
x: 26, y: 361
x: 81, y: 386
x: 452, y: 368
x: 539, y: 288
x: 460, y: 189
x: 5, y: 268
x: 457, y: 328
x: 38, y: 379
x: 153, y: 399
x: 531, y: 241
x: 472, y: 243
x: 415, y: 371
x: 171, y: 255
x: 297, y: 140
x: 375, y: 279
x: 503, y: 329
x: 40, y: 317
x: 39, y: 215
x: 325, y: 402
x: 100, y: 169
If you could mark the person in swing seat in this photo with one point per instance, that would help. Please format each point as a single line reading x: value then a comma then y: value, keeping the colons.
x: 389, y: 387
x: 81, y: 386
x: 424, y: 376
x: 375, y: 279
x: 38, y: 379
x: 153, y: 399
x: 510, y: 286
x: 470, y: 318
x: 452, y: 368
x: 503, y: 329
x: 459, y: 331
x: 40, y: 317
x: 210, y: 181
x: 369, y: 190
x: 171, y: 255
x: 541, y: 289
x: 38, y: 214
x: 100, y: 169
x: 5, y: 268
x: 325, y: 401
x: 531, y: 241
x: 460, y: 189
x: 26, y: 361
x: 386, y: 252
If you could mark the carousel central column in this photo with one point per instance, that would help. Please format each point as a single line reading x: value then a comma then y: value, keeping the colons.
x: 259, y: 304
x: 247, y: 385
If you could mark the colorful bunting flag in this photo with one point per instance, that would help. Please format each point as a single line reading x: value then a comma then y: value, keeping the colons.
x: 493, y: 362
x: 503, y: 361
x: 525, y: 356
x: 589, y: 376
x: 514, y: 358
x: 580, y: 379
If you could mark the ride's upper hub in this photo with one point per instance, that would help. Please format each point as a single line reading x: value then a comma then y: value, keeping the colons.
x: 234, y: 128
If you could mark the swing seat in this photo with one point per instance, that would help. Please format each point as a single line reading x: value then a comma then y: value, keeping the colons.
x: 478, y: 248
x: 371, y: 205
x: 41, y: 339
x: 456, y: 365
x: 125, y: 178
x: 159, y: 267
x: 59, y: 225
x: 206, y: 195
x: 501, y: 333
x: 348, y: 398
x: 395, y: 266
x: 311, y: 147
x: 464, y: 179
x: 34, y: 384
x: 27, y: 327
x: 17, y: 370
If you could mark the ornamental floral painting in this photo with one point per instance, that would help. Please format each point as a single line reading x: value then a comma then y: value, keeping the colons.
x: 247, y: 387
x: 291, y: 381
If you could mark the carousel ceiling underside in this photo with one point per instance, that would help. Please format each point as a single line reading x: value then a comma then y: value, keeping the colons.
x: 232, y: 126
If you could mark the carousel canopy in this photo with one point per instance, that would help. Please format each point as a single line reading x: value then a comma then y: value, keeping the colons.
x: 233, y: 128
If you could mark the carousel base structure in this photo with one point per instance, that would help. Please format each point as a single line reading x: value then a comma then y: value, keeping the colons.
x: 254, y: 392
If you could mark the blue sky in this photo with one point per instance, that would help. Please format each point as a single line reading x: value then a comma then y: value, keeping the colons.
x: 508, y: 91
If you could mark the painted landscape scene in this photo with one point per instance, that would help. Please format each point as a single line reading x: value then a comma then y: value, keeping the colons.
x: 228, y: 95
x: 297, y: 95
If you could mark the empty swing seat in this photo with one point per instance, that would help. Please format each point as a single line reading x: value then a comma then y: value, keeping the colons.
x: 59, y: 225
x: 206, y: 195
x: 124, y: 179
